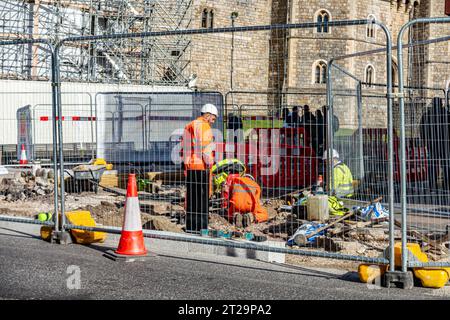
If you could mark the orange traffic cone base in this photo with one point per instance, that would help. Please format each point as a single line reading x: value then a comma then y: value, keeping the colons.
x: 110, y: 254
x: 131, y: 243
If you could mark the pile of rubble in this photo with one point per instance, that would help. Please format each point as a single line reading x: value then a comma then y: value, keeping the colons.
x: 358, y: 232
x: 24, y: 185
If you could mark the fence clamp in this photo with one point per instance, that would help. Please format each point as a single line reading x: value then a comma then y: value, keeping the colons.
x: 396, y: 95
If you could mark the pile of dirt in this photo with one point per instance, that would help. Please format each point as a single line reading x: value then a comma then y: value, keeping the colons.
x: 159, y: 223
x: 104, y: 210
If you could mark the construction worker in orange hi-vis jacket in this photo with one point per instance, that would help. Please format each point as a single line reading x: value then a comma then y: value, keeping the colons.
x: 198, y: 158
x: 198, y: 142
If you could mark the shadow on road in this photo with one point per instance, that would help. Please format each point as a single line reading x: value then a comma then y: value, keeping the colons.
x: 310, y: 272
x: 301, y: 271
x: 19, y: 235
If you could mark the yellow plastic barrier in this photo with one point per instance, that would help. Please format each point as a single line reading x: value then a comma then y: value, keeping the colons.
x: 79, y: 218
x: 83, y: 218
x: 429, y: 277
x: 414, y: 252
x: 369, y: 272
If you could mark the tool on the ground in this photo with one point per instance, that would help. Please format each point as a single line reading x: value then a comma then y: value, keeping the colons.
x: 306, y: 233
x: 303, y: 239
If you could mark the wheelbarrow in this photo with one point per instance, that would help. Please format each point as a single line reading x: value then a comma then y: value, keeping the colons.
x: 87, y: 174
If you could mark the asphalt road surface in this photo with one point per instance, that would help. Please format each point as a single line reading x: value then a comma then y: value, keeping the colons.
x: 33, y: 269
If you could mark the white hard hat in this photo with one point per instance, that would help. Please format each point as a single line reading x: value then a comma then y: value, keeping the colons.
x: 334, y: 153
x: 210, y: 108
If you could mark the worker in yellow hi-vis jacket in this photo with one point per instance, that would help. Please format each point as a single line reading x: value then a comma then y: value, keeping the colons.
x: 342, y: 176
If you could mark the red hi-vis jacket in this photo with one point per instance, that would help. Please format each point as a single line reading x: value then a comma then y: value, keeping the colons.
x: 197, y: 145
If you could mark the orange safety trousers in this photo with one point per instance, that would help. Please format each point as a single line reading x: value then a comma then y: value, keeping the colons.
x: 244, y: 195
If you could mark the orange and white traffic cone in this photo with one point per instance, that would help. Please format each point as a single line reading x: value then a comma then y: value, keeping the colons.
x: 132, y: 239
x: 23, y: 156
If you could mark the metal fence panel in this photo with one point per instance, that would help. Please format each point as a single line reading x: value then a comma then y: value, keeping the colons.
x: 78, y: 125
x: 136, y: 131
x: 424, y: 124
x: 27, y: 182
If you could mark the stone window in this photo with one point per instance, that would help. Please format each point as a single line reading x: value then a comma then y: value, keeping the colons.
x: 371, y: 27
x: 415, y: 10
x: 208, y: 18
x: 320, y: 72
x: 204, y: 18
x: 211, y: 19
x: 323, y: 17
x: 394, y: 75
x: 370, y: 76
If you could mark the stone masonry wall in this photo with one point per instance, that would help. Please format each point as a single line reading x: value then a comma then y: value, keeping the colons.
x: 211, y: 53
x: 438, y: 62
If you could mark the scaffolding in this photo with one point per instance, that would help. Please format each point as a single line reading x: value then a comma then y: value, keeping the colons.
x: 158, y: 61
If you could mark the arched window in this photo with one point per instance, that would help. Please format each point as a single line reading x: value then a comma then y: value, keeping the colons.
x: 415, y: 10
x: 394, y: 75
x: 371, y: 26
x: 204, y: 18
x: 208, y: 18
x: 408, y: 5
x: 211, y: 19
x: 370, y: 76
x: 320, y: 72
x: 323, y: 17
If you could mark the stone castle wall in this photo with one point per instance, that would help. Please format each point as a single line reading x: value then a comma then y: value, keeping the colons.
x: 211, y: 53
x: 283, y: 61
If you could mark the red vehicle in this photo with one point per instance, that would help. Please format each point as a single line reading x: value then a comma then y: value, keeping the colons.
x: 376, y: 156
x: 275, y: 157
